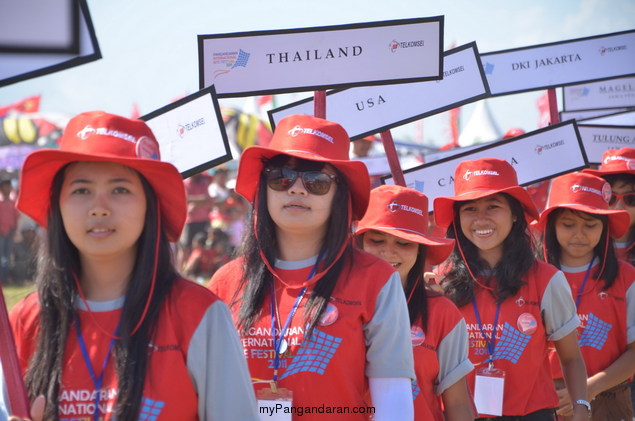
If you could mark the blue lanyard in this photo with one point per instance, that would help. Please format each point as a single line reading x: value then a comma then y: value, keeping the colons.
x: 97, y: 380
x: 581, y: 290
x: 277, y: 340
x: 491, y: 344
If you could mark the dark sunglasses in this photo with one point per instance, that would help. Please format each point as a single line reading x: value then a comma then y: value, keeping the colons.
x: 628, y: 198
x: 315, y: 182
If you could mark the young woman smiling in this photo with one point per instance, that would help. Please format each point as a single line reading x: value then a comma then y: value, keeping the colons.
x: 513, y: 304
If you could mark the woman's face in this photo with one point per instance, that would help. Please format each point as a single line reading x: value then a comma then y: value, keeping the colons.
x: 401, y: 254
x: 487, y: 222
x: 103, y: 208
x: 577, y: 233
x: 297, y: 211
x: 621, y: 187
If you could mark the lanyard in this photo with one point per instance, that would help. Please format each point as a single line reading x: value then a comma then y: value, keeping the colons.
x: 97, y: 380
x: 581, y: 290
x: 278, y: 340
x: 491, y: 344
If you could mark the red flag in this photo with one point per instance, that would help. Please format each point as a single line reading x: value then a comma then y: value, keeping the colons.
x: 265, y: 100
x: 27, y: 105
x: 543, y: 110
x: 135, y: 114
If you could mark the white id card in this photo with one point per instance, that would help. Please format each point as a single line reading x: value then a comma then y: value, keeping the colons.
x: 488, y: 391
x: 274, y: 406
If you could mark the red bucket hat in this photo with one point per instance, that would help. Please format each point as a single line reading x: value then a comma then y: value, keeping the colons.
x: 615, y: 161
x: 310, y: 138
x: 97, y: 136
x: 587, y: 193
x: 480, y: 178
x: 403, y: 212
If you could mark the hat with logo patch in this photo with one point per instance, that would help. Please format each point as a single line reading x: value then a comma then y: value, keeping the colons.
x: 481, y: 178
x: 97, y: 136
x: 586, y: 193
x: 313, y: 139
x: 403, y: 212
x: 615, y: 161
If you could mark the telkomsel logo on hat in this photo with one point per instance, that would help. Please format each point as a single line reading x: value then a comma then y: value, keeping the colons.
x: 605, y: 193
x: 469, y: 174
x: 298, y: 130
x: 394, y: 207
x: 88, y: 131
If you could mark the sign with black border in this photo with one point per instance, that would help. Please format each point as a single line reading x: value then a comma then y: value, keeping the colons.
x: 191, y: 132
x: 319, y: 58
x: 586, y: 114
x: 560, y: 63
x: 372, y: 109
x: 624, y: 118
x: 598, y: 138
x: 536, y: 156
x: 611, y: 93
x: 35, y: 26
x: 20, y: 66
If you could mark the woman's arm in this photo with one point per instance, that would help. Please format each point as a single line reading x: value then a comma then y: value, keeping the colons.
x: 457, y: 402
x: 621, y: 370
x: 574, y: 372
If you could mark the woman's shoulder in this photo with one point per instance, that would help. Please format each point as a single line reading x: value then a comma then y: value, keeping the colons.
x: 441, y: 307
x: 364, y: 260
x: 25, y: 314
x: 192, y: 293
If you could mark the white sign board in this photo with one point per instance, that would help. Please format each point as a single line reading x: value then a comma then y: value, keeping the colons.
x: 372, y: 109
x: 536, y: 156
x: 626, y: 118
x: 612, y: 93
x: 598, y: 139
x: 307, y: 59
x: 50, y: 26
x: 16, y: 67
x: 560, y: 63
x: 585, y: 114
x: 191, y: 132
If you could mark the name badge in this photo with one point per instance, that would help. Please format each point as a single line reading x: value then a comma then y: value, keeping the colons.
x: 488, y: 391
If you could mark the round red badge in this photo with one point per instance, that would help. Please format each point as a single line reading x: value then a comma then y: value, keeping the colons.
x: 417, y: 336
x: 329, y: 316
x: 527, y: 323
x: 147, y: 148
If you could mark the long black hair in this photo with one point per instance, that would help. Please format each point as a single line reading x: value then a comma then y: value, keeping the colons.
x: 256, y: 278
x: 58, y: 261
x: 518, y: 257
x: 608, y: 265
x: 418, y: 299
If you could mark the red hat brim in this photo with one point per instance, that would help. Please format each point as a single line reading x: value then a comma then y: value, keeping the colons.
x: 602, y: 173
x: 250, y: 167
x: 444, y: 206
x: 437, y: 249
x: 619, y: 220
x: 40, y: 167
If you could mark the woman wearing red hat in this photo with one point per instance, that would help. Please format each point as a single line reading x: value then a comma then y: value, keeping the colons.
x: 577, y: 226
x: 107, y: 335
x: 317, y: 317
x: 618, y: 168
x: 393, y: 229
x: 513, y: 304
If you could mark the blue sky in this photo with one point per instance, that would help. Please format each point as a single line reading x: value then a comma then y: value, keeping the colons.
x: 150, y: 56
